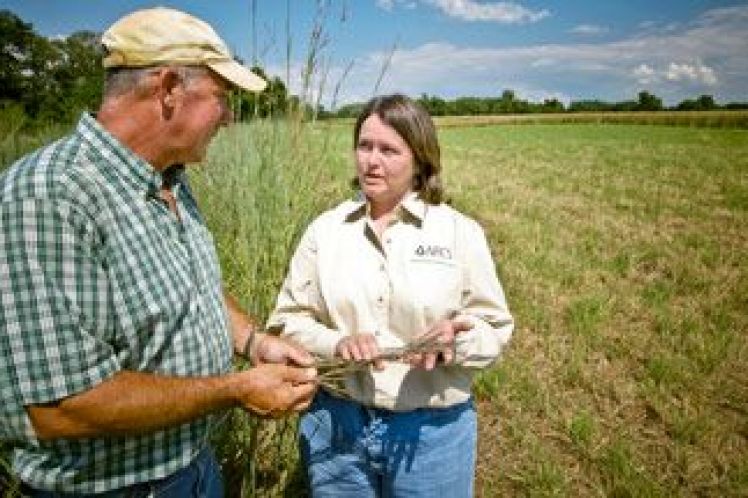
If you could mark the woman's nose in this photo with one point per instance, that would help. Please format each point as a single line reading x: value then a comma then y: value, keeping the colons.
x: 374, y: 157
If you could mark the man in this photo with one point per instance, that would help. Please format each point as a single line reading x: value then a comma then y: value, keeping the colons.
x: 115, y: 335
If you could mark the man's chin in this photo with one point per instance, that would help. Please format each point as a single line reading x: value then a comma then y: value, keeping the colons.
x: 196, y: 157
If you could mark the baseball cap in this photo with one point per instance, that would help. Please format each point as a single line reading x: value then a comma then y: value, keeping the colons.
x: 162, y: 36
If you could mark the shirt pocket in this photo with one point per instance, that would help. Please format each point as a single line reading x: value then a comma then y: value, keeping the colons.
x: 436, y: 284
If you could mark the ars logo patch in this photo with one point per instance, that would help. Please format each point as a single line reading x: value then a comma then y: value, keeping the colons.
x: 433, y: 251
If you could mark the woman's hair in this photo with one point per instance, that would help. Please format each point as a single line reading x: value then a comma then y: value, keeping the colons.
x: 414, y: 125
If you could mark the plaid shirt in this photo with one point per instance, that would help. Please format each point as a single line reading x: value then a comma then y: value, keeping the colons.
x: 97, y: 275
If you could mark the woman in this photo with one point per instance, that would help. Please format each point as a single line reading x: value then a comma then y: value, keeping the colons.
x: 391, y: 268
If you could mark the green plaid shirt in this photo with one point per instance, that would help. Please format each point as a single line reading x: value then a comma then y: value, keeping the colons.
x: 98, y: 276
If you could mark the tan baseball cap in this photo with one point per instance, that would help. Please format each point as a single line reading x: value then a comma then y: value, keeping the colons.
x: 162, y: 36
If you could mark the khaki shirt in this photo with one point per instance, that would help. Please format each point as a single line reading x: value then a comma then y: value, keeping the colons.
x: 431, y: 263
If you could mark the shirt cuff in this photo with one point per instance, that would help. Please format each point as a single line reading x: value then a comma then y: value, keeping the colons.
x: 325, y: 343
x: 477, y: 347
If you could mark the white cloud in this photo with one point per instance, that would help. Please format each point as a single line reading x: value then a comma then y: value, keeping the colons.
x: 542, y: 62
x: 707, y: 57
x: 698, y: 73
x: 647, y: 24
x: 471, y: 10
x: 386, y: 4
x: 589, y: 30
x: 645, y: 74
x: 503, y: 12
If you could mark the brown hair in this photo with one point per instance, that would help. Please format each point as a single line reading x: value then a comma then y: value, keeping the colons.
x: 414, y: 125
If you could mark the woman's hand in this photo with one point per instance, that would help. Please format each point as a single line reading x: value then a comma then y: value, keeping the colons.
x: 359, y: 347
x: 268, y: 348
x: 442, y: 332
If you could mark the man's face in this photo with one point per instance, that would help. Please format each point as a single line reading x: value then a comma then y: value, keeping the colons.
x: 201, y: 108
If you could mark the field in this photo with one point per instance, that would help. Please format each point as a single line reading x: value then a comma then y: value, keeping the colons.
x: 623, y: 250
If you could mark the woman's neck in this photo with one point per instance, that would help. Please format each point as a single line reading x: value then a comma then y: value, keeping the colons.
x: 385, y: 208
x: 382, y: 212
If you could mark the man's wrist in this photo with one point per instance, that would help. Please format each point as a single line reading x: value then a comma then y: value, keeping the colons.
x: 249, y: 344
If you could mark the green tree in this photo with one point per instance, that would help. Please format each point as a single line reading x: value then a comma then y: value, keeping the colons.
x: 16, y: 40
x: 273, y: 101
x: 648, y: 102
x: 552, y: 105
x: 54, y: 80
x: 705, y: 102
x: 433, y: 105
x: 508, y: 101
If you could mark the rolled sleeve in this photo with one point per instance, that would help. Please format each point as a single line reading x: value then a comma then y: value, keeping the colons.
x: 300, y: 310
x: 483, y: 304
x: 54, y: 296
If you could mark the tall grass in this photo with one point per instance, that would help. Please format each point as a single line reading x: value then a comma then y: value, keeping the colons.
x: 19, y: 134
x: 260, y: 187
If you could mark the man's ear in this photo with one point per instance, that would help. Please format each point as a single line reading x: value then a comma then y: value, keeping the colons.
x: 169, y: 89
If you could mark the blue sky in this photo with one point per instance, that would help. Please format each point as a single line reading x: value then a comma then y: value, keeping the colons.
x: 569, y: 50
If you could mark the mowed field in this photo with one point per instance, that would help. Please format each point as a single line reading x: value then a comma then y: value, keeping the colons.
x: 623, y: 250
x: 624, y: 253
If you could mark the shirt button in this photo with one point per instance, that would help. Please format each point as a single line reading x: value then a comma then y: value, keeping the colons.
x: 388, y: 241
x: 380, y: 300
x: 382, y: 267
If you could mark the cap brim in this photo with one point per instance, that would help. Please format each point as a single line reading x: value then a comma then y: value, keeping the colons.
x: 239, y: 76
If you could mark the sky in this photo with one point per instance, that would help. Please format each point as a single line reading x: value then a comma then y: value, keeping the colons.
x: 563, y: 49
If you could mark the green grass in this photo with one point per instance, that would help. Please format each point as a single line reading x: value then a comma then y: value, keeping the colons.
x: 624, y: 254
x: 623, y: 250
x: 260, y: 187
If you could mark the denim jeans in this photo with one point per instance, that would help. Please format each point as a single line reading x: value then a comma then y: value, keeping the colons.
x: 351, y: 450
x: 200, y: 479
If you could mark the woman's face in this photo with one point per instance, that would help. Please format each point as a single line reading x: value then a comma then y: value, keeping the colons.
x: 384, y: 163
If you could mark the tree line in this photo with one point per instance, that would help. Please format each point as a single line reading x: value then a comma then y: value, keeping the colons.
x: 53, y: 80
x: 509, y: 103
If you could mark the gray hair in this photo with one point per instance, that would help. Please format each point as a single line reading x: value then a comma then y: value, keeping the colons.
x: 122, y: 80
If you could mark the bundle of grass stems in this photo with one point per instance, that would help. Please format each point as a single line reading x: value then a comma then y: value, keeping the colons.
x: 332, y: 372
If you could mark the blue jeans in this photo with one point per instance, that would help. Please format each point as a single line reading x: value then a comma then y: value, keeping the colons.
x: 200, y: 479
x: 352, y: 450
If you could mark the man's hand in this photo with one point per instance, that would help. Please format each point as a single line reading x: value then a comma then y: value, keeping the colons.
x: 443, y: 332
x: 268, y: 348
x: 274, y: 390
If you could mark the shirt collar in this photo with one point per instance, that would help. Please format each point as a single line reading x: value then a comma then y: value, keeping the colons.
x: 116, y: 158
x: 411, y: 208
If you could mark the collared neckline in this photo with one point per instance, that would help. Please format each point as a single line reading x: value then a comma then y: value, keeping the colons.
x: 134, y: 170
x: 411, y: 208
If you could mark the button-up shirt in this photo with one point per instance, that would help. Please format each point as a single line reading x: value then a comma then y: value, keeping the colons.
x: 97, y: 275
x: 431, y: 263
